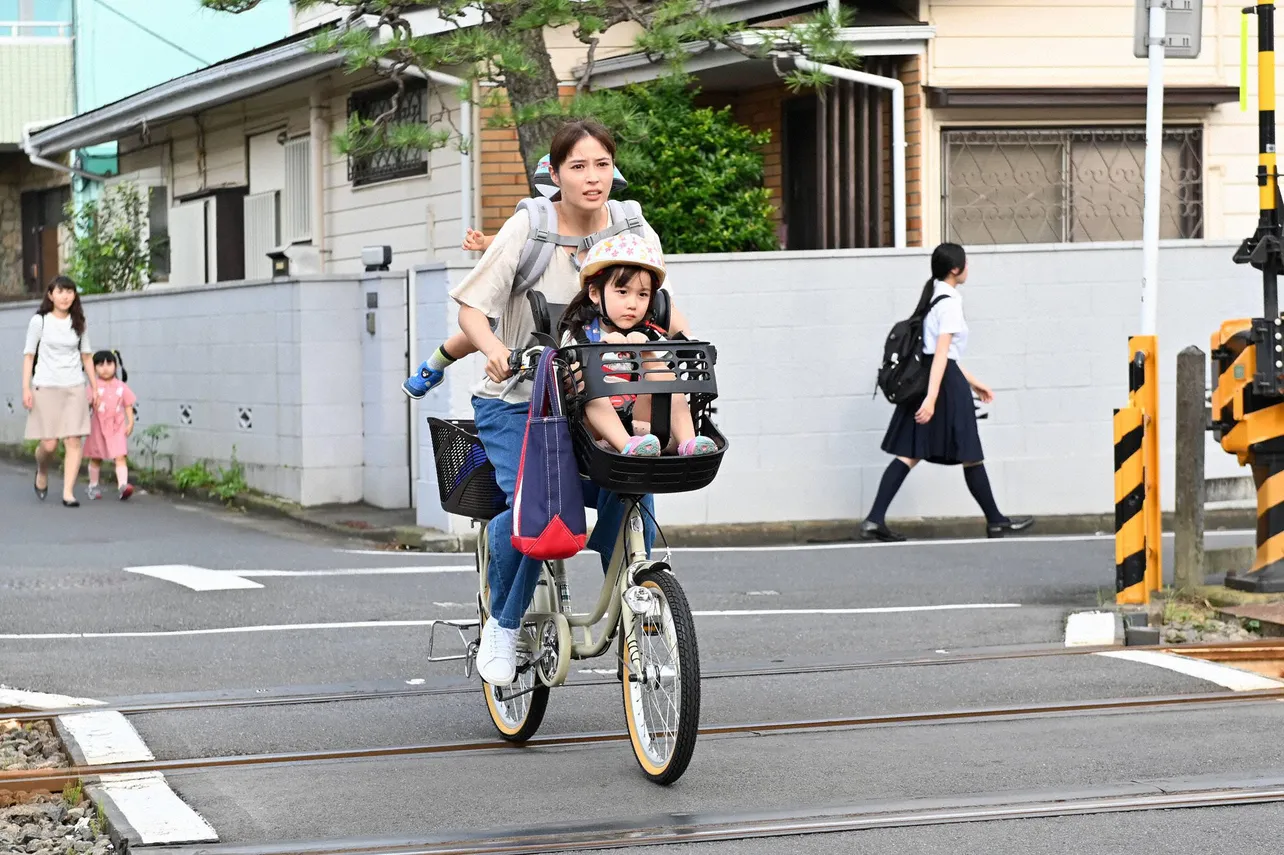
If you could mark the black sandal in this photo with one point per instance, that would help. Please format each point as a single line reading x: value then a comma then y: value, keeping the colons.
x: 40, y: 494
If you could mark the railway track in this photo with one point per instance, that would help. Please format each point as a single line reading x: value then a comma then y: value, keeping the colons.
x: 695, y: 828
x: 1267, y: 648
x: 33, y: 779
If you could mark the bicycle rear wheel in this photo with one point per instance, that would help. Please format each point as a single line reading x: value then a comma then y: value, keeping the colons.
x: 662, y: 703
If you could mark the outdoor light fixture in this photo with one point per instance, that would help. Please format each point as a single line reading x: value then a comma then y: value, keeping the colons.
x: 280, y: 263
x: 376, y: 257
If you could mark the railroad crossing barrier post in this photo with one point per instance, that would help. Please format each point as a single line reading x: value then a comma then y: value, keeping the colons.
x: 1138, y: 524
x: 1130, y: 529
x: 1188, y: 475
x: 1248, y: 354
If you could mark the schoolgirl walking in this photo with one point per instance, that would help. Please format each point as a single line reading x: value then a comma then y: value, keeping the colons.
x: 940, y: 427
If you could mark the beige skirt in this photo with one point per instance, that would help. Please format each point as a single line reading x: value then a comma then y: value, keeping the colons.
x: 58, y: 412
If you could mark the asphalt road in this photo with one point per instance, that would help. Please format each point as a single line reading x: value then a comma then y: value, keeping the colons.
x: 74, y: 621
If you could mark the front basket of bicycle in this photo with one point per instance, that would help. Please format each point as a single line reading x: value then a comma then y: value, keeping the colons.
x: 465, y: 476
x: 658, y: 369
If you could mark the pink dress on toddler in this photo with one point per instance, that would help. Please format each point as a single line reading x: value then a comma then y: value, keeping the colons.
x: 107, y: 439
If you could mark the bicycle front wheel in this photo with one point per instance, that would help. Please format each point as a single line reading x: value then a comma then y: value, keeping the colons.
x: 662, y: 703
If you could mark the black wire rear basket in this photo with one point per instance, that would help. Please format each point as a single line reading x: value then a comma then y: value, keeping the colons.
x: 465, y: 475
x: 658, y: 369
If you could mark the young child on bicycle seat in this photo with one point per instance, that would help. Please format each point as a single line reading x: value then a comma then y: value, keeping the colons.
x: 617, y: 281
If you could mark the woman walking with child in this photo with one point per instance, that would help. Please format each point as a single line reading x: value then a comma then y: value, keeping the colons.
x: 941, y: 427
x: 56, y: 362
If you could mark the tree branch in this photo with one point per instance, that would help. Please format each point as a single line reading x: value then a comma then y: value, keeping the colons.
x: 583, y: 84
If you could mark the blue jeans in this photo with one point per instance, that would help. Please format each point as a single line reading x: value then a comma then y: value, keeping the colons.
x: 513, y: 576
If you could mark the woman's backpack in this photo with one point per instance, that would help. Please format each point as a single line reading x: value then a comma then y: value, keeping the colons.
x: 904, y: 374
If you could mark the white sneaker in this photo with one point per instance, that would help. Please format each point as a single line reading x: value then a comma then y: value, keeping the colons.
x: 497, y: 654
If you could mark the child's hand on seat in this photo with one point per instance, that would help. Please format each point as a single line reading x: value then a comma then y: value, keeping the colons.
x: 636, y: 338
x: 613, y: 338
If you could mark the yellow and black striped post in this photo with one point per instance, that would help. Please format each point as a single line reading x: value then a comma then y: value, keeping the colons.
x: 1267, y: 573
x: 1130, y: 495
x: 1138, y: 523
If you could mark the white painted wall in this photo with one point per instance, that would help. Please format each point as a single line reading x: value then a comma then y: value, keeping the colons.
x: 326, y: 419
x: 800, y: 335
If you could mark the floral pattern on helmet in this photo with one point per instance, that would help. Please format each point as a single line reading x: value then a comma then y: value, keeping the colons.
x: 625, y: 248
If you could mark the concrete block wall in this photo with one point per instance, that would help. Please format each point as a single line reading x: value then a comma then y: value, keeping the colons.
x: 272, y: 369
x: 800, y: 337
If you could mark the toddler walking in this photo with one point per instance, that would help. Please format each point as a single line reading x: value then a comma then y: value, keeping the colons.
x: 111, y: 424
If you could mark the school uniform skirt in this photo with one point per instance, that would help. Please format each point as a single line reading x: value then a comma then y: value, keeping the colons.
x: 950, y: 437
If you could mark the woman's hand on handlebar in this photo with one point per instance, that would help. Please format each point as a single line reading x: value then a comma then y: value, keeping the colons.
x: 499, y: 364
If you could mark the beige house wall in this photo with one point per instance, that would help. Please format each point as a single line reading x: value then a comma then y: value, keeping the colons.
x: 1029, y: 43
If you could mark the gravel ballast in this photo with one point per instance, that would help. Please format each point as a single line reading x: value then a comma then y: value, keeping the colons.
x: 43, y: 823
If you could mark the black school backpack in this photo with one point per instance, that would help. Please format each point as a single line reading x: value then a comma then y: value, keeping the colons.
x: 903, y: 376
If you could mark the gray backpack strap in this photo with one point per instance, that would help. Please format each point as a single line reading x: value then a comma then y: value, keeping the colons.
x: 631, y: 214
x: 541, y: 242
x: 625, y: 217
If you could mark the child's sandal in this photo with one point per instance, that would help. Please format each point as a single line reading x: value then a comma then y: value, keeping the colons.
x: 697, y: 446
x: 642, y: 446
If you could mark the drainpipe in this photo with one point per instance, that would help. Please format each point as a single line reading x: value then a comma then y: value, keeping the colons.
x: 898, y: 129
x: 466, y: 221
x: 316, y: 154
x: 33, y: 153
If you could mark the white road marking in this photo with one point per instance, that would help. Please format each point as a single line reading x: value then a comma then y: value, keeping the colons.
x: 402, y: 624
x: 417, y: 681
x: 1215, y: 672
x: 106, y: 737
x: 195, y: 578
x: 146, y: 801
x: 205, y: 579
x: 394, y: 553
x: 450, y: 605
x: 353, y: 571
x: 1090, y: 629
x: 41, y: 700
x: 883, y: 610
x: 762, y: 593
x: 154, y: 810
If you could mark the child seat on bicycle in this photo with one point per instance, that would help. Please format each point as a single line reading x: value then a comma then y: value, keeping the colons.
x: 618, y: 281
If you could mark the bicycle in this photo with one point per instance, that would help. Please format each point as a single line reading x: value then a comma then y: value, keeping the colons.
x: 640, y: 601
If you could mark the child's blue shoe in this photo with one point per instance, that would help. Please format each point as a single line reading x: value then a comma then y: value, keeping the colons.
x: 424, y: 381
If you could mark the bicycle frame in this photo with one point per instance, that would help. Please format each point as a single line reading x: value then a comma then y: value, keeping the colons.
x: 552, y: 601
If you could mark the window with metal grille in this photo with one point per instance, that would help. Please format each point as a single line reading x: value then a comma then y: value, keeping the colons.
x: 1066, y: 185
x: 389, y: 164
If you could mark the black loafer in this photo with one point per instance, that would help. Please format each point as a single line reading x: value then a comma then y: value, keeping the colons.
x: 41, y: 493
x: 1012, y: 526
x: 72, y: 504
x: 878, y: 531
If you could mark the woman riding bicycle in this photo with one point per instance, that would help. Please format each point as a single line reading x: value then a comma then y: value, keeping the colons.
x: 582, y: 160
